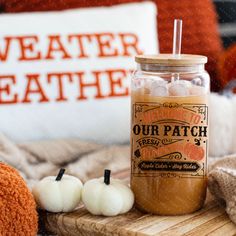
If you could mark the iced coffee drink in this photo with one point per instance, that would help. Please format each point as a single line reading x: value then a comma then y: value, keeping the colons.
x: 169, y: 133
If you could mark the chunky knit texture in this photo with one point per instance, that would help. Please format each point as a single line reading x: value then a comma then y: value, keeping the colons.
x: 18, y: 214
x: 227, y: 65
x: 222, y: 184
x: 200, y: 33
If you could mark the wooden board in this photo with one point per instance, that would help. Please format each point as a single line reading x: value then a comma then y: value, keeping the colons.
x: 211, y: 220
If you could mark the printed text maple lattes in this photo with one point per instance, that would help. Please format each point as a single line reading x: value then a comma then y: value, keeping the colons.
x: 28, y: 49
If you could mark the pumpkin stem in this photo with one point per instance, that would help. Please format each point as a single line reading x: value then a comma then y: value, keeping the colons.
x: 107, y: 175
x: 60, y: 174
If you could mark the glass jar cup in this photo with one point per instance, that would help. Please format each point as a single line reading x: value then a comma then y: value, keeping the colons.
x: 169, y: 133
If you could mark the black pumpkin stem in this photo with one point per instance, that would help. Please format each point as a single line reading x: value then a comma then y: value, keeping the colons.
x: 107, y: 175
x: 60, y: 174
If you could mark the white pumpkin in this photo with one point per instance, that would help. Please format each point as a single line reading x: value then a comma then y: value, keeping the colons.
x: 61, y: 193
x: 108, y: 197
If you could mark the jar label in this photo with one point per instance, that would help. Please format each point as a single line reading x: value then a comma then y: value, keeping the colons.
x: 169, y: 139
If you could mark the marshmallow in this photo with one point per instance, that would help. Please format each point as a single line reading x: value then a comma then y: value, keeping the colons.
x: 159, y: 89
x: 178, y: 89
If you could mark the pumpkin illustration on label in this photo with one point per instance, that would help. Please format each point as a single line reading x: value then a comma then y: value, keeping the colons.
x: 194, y: 152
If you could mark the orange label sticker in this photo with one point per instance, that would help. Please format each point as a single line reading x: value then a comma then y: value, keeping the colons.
x: 169, y: 139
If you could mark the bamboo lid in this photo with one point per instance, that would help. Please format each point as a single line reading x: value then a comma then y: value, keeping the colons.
x: 170, y: 59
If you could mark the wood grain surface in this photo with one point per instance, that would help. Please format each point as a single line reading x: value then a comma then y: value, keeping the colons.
x: 211, y: 220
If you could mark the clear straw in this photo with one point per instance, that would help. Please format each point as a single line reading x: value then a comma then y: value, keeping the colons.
x: 177, y: 38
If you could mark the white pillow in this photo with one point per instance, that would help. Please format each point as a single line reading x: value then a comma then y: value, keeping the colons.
x: 43, y: 69
x: 222, y: 140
